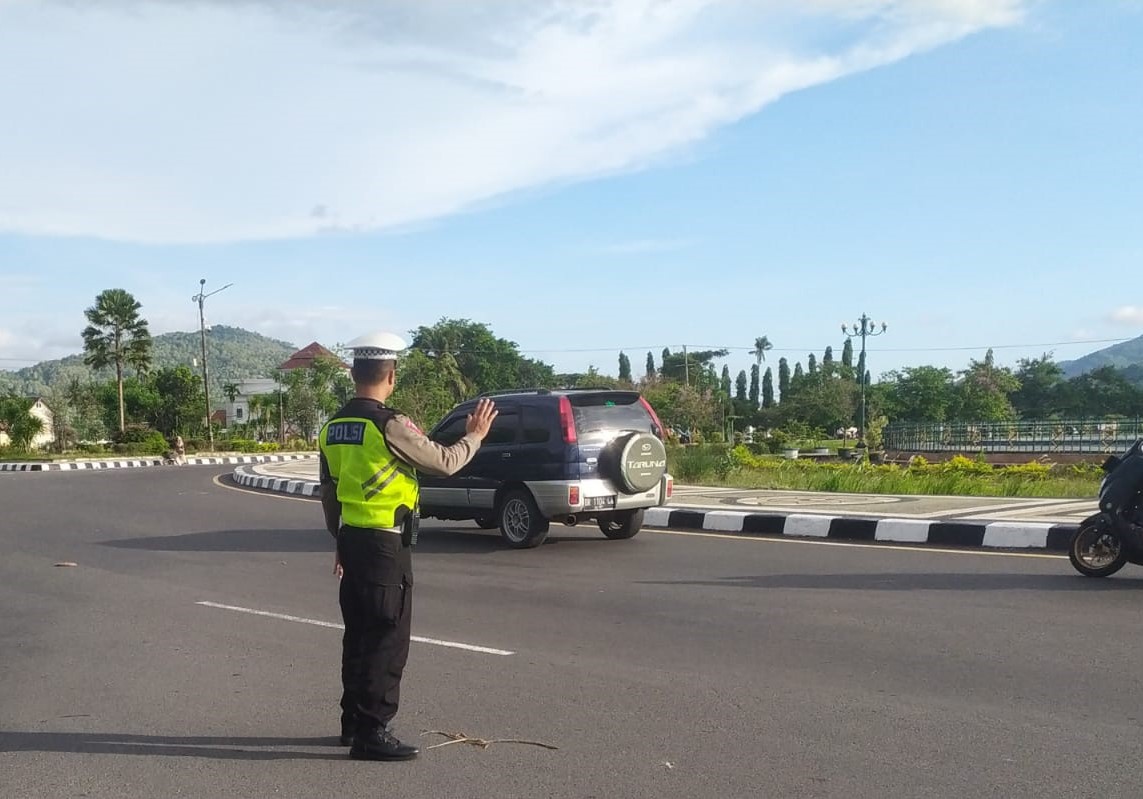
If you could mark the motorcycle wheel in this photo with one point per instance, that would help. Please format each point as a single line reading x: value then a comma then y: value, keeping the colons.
x: 1096, y: 550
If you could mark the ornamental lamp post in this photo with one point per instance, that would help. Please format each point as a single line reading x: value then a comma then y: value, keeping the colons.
x: 865, y: 328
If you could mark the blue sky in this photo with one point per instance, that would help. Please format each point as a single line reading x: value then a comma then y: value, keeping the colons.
x: 581, y: 177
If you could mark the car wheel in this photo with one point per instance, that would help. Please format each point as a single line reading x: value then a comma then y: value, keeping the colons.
x: 622, y: 524
x: 486, y: 522
x: 521, y: 524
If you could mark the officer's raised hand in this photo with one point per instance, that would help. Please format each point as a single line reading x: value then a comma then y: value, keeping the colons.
x: 480, y: 420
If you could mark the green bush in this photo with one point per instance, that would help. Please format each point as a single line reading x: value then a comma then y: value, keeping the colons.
x: 92, y: 449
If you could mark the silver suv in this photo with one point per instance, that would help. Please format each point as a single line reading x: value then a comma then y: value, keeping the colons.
x: 555, y: 455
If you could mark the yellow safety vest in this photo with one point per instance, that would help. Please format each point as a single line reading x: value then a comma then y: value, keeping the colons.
x: 375, y: 488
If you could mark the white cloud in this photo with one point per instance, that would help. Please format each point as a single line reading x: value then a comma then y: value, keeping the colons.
x: 1127, y: 315
x: 213, y: 121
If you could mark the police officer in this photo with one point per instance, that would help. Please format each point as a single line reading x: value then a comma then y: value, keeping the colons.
x: 369, y: 458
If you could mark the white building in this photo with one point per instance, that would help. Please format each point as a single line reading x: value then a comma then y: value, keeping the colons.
x: 47, y: 435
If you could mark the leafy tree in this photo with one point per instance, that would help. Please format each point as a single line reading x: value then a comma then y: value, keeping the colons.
x: 754, y: 389
x: 17, y: 421
x: 768, y: 388
x: 828, y: 362
x: 919, y: 394
x: 589, y: 379
x: 783, y: 379
x: 484, y: 361
x: 797, y: 378
x: 423, y: 392
x: 82, y: 409
x: 178, y: 400
x: 740, y: 387
x: 650, y: 373
x: 726, y: 385
x: 133, y: 401
x: 117, y: 335
x: 681, y: 407
x: 677, y: 366
x: 1040, y: 381
x: 624, y: 368
x: 983, y: 391
x: 314, y: 393
x: 1100, y: 392
x: 822, y: 403
x: 812, y: 364
x: 861, y: 370
x: 231, y: 391
x: 847, y: 353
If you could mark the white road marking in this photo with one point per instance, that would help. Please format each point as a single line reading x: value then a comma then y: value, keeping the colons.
x: 811, y: 542
x: 338, y: 626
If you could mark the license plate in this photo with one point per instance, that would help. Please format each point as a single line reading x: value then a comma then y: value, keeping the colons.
x: 597, y: 503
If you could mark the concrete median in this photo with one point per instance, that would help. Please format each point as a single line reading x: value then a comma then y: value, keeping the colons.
x: 948, y: 533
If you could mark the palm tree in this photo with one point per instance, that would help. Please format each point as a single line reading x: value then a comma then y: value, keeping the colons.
x: 761, y: 346
x: 116, y: 334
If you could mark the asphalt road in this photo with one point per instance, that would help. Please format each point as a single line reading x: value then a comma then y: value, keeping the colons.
x: 830, y: 503
x: 671, y: 665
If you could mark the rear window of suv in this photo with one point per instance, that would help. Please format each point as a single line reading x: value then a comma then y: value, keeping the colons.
x: 600, y: 412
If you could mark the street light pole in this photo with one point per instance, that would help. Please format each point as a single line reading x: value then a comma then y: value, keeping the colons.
x: 865, y: 328
x: 200, y: 298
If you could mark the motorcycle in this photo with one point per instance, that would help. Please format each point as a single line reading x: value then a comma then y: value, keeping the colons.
x: 1105, y: 542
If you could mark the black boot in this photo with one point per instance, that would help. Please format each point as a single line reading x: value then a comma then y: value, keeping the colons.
x: 348, y: 725
x: 381, y: 744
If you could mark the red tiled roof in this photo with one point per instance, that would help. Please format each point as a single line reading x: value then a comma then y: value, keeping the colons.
x: 304, y: 358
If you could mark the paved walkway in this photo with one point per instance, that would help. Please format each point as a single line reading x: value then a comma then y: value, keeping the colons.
x: 932, y: 508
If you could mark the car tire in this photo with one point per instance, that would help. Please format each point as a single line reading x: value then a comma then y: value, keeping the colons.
x: 521, y: 524
x: 487, y: 522
x: 622, y: 524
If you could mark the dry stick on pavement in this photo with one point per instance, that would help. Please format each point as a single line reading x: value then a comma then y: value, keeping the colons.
x: 461, y: 738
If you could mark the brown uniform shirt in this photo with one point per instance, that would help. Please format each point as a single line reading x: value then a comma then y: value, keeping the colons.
x: 415, y: 448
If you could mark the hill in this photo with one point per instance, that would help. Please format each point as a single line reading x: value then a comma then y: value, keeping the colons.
x: 232, y: 353
x: 1125, y: 356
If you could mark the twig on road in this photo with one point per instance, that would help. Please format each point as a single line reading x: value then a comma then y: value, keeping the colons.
x: 462, y: 738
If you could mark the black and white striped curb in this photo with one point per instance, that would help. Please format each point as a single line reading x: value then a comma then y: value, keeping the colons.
x: 946, y: 533
x: 135, y: 463
x: 282, y: 485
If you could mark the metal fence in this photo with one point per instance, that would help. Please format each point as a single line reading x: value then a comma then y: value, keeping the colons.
x: 1080, y: 435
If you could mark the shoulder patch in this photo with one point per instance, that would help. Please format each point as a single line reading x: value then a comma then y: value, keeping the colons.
x: 412, y: 426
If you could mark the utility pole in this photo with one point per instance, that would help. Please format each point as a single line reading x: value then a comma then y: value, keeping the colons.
x: 686, y: 367
x: 865, y: 328
x: 200, y: 298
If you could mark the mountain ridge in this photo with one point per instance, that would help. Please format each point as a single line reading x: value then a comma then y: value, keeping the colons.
x: 233, y: 353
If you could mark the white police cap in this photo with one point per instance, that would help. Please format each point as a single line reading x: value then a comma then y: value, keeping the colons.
x: 379, y: 346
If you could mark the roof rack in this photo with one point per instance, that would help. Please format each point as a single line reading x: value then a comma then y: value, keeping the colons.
x: 506, y: 392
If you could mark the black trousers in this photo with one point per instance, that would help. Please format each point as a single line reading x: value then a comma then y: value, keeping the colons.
x: 377, y: 608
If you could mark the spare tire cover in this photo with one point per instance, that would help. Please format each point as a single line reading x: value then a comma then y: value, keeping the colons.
x: 642, y: 462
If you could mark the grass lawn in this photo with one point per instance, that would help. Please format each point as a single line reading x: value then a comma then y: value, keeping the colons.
x: 738, y: 468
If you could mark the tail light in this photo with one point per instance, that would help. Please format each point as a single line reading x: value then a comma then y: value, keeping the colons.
x: 670, y: 487
x: 657, y: 425
x: 567, y: 421
x: 573, y: 495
